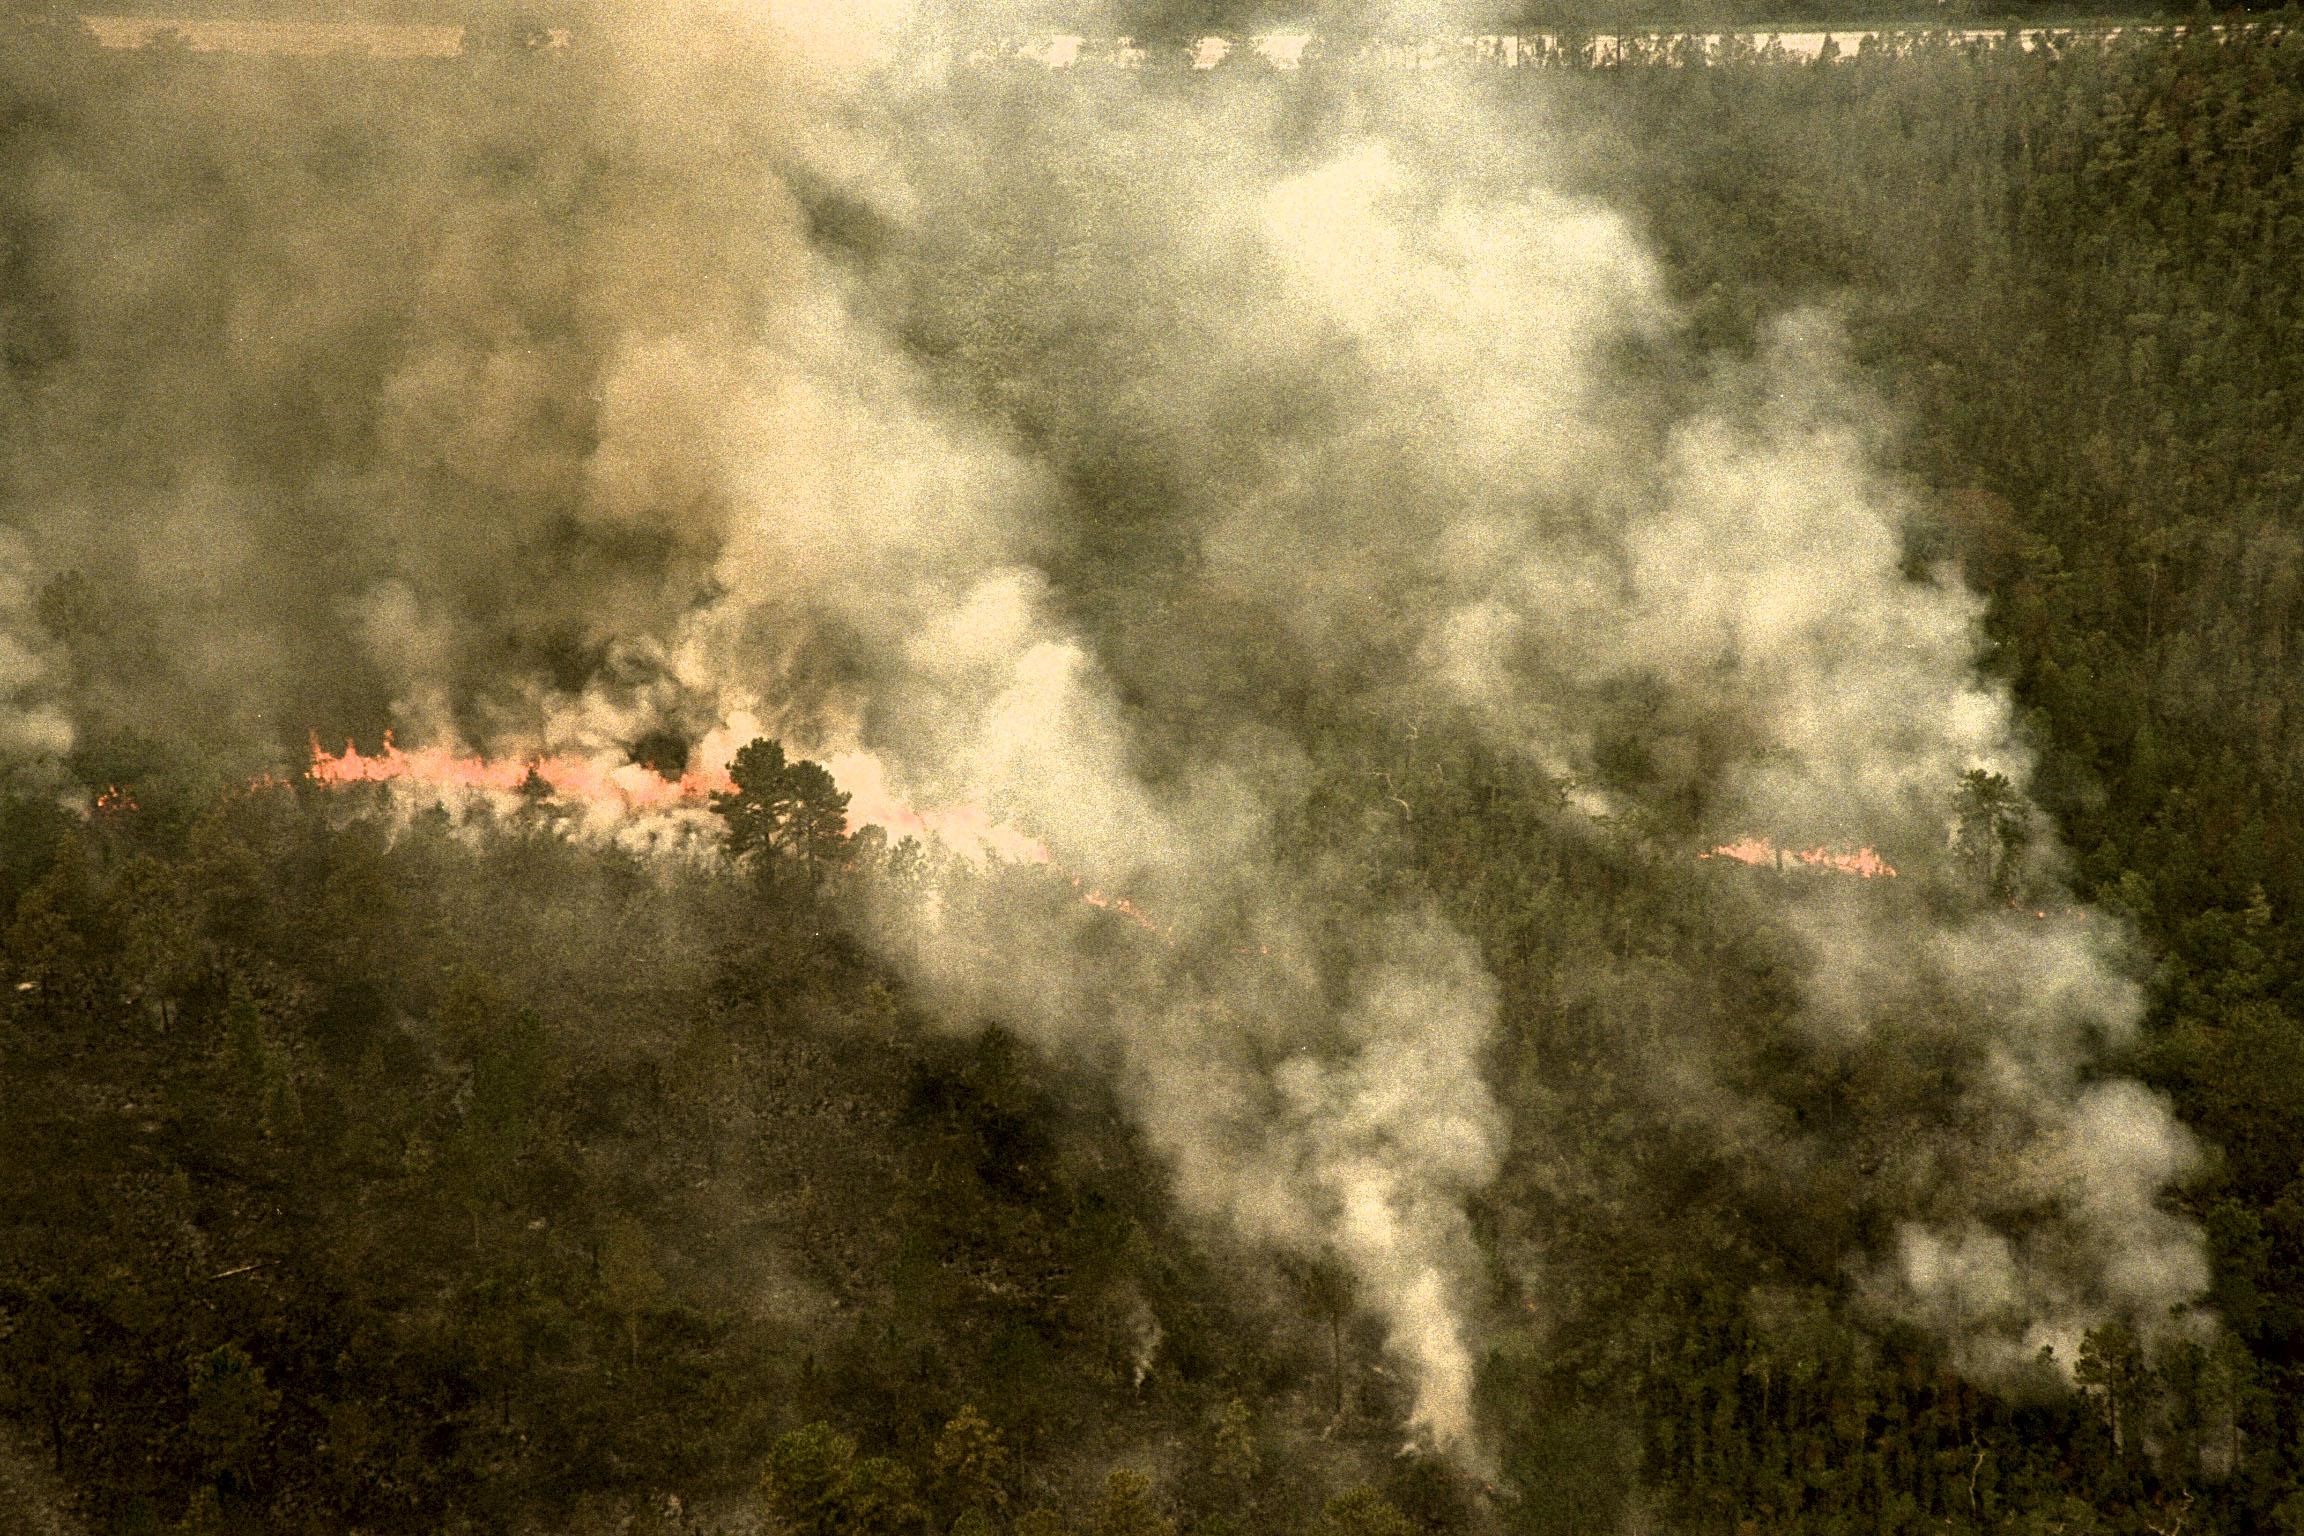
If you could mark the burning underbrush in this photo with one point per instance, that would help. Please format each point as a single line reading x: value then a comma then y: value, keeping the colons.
x: 627, y: 786
x: 629, y: 805
x: 1865, y: 863
x: 625, y: 802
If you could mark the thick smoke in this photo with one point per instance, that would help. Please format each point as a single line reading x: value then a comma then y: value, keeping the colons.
x: 1404, y: 409
x: 979, y: 428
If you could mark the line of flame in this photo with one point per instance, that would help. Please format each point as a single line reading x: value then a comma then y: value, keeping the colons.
x: 1123, y: 906
x: 630, y: 786
x: 627, y: 787
x: 1864, y: 863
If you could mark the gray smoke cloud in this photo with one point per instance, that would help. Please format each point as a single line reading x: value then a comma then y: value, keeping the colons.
x: 33, y: 722
x: 986, y: 426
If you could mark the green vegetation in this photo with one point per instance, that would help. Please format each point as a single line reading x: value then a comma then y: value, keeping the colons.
x: 358, y: 1183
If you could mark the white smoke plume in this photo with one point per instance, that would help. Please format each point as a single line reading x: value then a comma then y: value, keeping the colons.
x: 1479, y: 505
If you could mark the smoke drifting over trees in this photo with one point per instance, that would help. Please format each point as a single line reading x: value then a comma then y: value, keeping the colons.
x: 1300, y: 508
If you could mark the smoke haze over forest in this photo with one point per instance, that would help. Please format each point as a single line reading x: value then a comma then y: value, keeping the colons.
x: 1288, y: 507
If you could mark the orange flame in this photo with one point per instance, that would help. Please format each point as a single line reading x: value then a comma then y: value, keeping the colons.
x: 629, y: 785
x: 1864, y: 863
x: 1124, y: 907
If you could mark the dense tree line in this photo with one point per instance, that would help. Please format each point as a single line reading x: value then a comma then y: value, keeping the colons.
x: 2064, y: 271
x: 405, y: 1180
